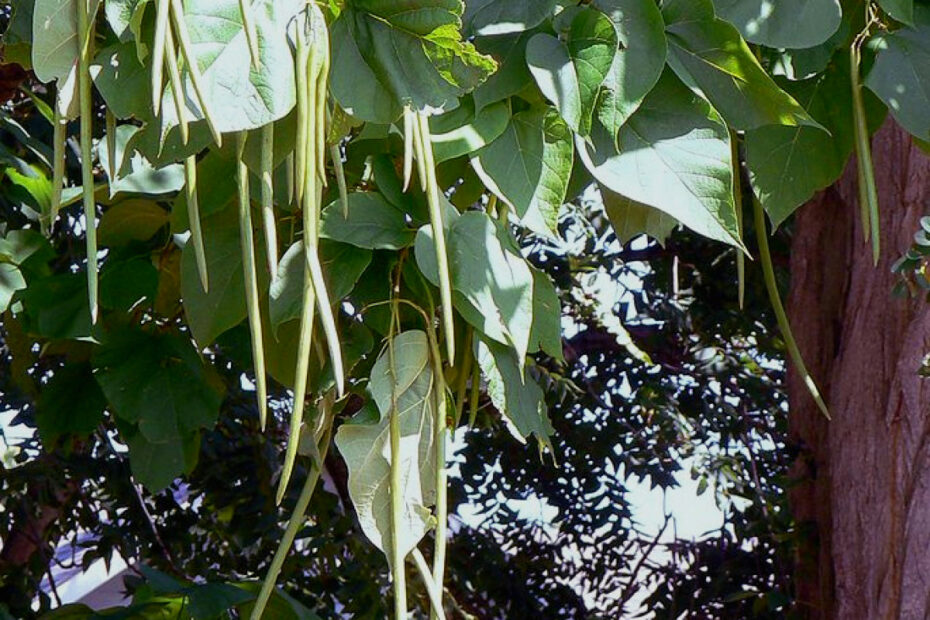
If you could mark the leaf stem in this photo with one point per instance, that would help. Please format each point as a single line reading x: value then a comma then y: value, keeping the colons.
x: 765, y: 257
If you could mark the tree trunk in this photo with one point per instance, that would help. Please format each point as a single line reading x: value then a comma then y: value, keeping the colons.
x: 864, y: 495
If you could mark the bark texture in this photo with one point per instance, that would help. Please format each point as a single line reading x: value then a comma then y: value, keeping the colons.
x: 864, y: 498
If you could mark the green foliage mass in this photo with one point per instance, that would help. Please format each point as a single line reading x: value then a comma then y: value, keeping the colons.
x: 396, y: 162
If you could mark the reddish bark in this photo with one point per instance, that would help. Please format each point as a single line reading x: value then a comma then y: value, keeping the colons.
x: 865, y: 492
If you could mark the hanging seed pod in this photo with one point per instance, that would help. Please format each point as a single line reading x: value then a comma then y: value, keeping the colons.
x: 187, y: 52
x: 86, y: 33
x: 251, y: 34
x: 765, y: 257
x: 177, y: 86
x: 162, y: 14
x: 427, y: 166
x: 268, y: 220
x: 193, y: 219
x: 251, y: 279
x: 868, y: 192
x: 59, y: 131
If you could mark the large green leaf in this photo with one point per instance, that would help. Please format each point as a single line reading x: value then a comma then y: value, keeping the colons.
x: 214, y: 165
x: 519, y: 399
x: 125, y: 17
x: 17, y: 40
x: 240, y: 94
x: 631, y: 219
x: 674, y: 156
x: 463, y: 131
x: 512, y: 75
x: 546, y: 334
x: 54, y: 39
x: 158, y: 381
x: 901, y: 74
x: 135, y: 219
x: 639, y: 62
x: 11, y: 280
x: 489, y: 273
x: 343, y: 265
x: 529, y: 166
x: 901, y: 10
x: 570, y: 72
x: 70, y: 403
x: 372, y: 222
x: 709, y: 54
x: 788, y: 164
x: 387, y: 54
x: 404, y: 389
x: 57, y: 307
x: 786, y: 23
x: 126, y: 283
x: 123, y: 81
x: 156, y: 465
x: 211, y: 313
x: 496, y: 17
x: 135, y: 174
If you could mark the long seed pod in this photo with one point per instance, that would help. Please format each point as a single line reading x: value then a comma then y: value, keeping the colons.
x: 306, y: 120
x: 440, y: 437
x: 428, y: 167
x: 433, y: 590
x: 59, y: 131
x: 339, y: 170
x: 296, y: 522
x: 396, y: 481
x: 251, y: 34
x: 738, y: 203
x: 322, y: 88
x: 110, y: 121
x: 409, y: 137
x: 162, y: 13
x: 765, y: 257
x: 289, y: 177
x: 193, y: 219
x: 177, y: 86
x: 187, y: 52
x: 312, y: 199
x: 302, y: 65
x: 251, y: 279
x: 268, y: 220
x: 86, y: 32
x: 304, y: 343
x: 868, y: 192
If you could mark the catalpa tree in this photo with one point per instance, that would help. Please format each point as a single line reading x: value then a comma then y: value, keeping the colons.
x: 346, y: 178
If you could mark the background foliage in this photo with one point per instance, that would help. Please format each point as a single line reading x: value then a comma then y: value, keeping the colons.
x: 560, y: 133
